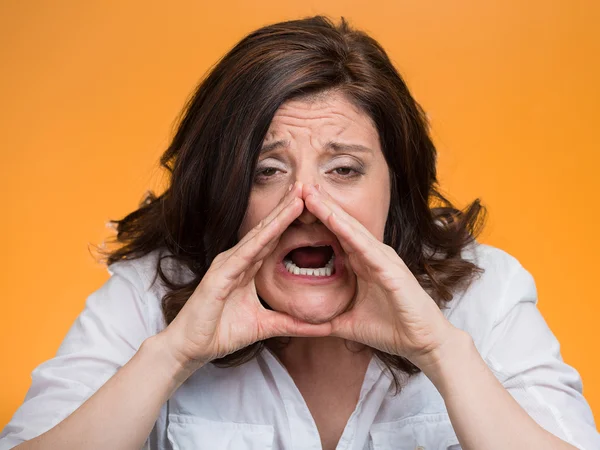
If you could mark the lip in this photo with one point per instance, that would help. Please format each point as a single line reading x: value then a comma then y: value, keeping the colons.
x: 311, y: 279
x: 337, y: 250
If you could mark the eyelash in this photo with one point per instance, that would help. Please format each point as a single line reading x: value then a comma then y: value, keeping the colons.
x: 356, y: 172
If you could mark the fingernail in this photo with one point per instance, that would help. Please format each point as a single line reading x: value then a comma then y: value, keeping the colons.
x: 290, y: 188
x: 317, y: 187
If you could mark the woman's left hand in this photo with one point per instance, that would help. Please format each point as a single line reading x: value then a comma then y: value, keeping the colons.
x: 391, y: 311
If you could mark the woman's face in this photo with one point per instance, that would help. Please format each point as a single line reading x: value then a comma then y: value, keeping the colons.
x: 325, y: 141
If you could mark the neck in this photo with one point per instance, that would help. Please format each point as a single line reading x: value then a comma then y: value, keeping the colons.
x: 319, y: 353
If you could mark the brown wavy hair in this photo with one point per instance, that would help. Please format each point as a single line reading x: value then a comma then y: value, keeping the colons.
x: 212, y: 157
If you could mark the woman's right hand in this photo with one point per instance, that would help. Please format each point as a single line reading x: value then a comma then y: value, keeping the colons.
x: 224, y: 314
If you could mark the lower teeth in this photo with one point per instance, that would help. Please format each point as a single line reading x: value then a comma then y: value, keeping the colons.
x: 326, y: 271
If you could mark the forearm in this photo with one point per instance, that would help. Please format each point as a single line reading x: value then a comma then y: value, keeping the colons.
x: 483, y: 413
x: 122, y: 413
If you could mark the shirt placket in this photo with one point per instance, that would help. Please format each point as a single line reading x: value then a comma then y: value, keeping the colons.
x: 375, y: 387
x: 304, y: 434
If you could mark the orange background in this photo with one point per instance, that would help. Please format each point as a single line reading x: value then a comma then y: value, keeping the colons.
x: 90, y: 91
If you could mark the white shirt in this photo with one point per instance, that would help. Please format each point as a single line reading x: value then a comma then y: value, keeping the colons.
x: 258, y: 406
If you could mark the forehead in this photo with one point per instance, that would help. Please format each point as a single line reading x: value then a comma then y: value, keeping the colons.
x: 329, y: 114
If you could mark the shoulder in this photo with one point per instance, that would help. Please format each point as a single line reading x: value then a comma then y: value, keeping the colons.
x: 495, y: 261
x: 503, y: 283
x: 141, y: 274
x: 142, y: 271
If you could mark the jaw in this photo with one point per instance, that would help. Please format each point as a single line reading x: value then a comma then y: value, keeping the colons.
x: 317, y: 308
x: 307, y: 300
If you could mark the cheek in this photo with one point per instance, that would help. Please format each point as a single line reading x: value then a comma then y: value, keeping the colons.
x: 259, y: 207
x: 251, y: 219
x: 371, y: 210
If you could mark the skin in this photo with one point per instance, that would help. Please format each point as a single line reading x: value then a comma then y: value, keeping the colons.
x: 297, y: 149
x: 309, y: 126
x: 358, y: 181
x: 389, y: 309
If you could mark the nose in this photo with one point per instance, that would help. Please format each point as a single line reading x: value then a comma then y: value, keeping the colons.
x: 306, y: 218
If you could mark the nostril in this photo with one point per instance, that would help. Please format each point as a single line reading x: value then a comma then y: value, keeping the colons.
x: 303, y: 221
x: 306, y: 218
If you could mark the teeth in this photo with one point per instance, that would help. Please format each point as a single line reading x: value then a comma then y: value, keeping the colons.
x: 315, y: 272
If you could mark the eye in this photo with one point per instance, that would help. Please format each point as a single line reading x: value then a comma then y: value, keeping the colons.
x: 265, y: 174
x: 268, y: 172
x: 346, y: 172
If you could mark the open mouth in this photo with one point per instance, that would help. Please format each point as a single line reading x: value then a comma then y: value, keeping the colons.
x: 316, y: 261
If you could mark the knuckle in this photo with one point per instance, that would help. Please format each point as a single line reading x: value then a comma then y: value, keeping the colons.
x: 388, y: 250
x: 217, y: 263
x: 218, y: 260
x: 245, y: 259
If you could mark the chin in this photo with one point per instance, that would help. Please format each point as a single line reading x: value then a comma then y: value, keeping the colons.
x: 313, y: 309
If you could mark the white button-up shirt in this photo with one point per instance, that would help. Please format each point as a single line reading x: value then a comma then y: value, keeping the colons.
x: 258, y: 406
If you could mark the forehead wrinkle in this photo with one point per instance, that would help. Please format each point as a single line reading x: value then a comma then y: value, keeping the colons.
x: 303, y: 110
x: 328, y: 121
x: 300, y: 116
x: 327, y: 142
x: 331, y: 146
x: 327, y: 117
x: 280, y: 127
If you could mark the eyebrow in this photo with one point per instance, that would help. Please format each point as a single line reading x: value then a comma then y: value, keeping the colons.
x: 331, y: 145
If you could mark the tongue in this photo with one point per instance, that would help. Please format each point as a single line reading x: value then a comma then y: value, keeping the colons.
x: 310, y: 257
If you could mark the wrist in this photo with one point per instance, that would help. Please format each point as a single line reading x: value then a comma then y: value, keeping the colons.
x: 160, y: 349
x: 440, y: 363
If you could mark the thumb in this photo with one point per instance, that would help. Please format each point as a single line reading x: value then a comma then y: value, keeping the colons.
x: 341, y: 326
x: 276, y: 324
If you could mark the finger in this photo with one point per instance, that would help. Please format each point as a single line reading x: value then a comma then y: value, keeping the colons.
x: 294, y: 190
x: 277, y: 324
x: 339, y: 211
x: 327, y: 217
x: 353, y: 236
x: 266, y: 240
x: 341, y: 326
x: 251, y: 272
x: 263, y: 242
x: 294, y: 193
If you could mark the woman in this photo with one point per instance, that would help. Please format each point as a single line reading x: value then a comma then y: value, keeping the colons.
x: 297, y: 287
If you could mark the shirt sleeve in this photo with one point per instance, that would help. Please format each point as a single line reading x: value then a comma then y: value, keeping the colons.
x: 105, y: 335
x: 525, y: 356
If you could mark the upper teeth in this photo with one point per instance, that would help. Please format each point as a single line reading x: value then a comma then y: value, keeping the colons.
x: 315, y: 271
